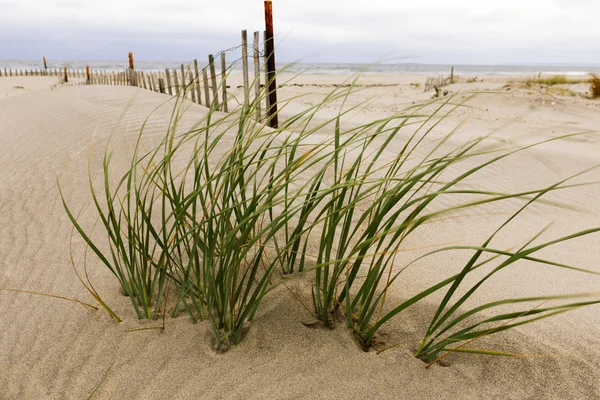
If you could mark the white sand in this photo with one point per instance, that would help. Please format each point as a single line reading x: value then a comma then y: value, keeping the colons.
x: 17, y: 85
x: 54, y: 349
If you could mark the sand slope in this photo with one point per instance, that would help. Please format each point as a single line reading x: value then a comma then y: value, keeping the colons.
x: 55, y: 349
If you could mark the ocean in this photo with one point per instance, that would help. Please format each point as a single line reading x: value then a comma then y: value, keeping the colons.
x: 326, y: 68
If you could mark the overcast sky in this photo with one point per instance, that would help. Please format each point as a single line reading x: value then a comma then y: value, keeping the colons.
x: 426, y: 31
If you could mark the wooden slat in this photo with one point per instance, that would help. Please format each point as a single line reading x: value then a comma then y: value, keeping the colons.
x: 257, y: 76
x: 224, y: 82
x: 197, y: 79
x: 213, y: 78
x: 245, y: 68
x: 168, y: 81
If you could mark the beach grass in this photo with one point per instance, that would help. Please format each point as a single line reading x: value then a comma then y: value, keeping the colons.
x: 595, y: 86
x: 552, y: 80
x: 225, y: 211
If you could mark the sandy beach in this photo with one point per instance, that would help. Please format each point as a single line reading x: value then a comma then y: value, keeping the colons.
x: 56, y: 349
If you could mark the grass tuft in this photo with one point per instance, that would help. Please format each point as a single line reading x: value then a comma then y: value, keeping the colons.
x: 595, y: 86
x: 224, y: 211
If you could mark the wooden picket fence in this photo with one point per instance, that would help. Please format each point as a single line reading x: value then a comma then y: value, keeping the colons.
x: 205, y: 85
x: 188, y: 80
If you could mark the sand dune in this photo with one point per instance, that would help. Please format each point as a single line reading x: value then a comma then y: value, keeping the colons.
x: 54, y: 349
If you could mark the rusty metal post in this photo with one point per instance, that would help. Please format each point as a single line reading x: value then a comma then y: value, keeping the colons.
x: 87, y: 75
x: 66, y: 76
x: 271, y: 78
x: 132, y: 76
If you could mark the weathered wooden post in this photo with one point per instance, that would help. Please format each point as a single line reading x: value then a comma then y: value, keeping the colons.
x: 87, y: 75
x: 161, y: 85
x: 66, y: 76
x: 257, y: 75
x: 273, y: 121
x: 224, y: 81
x: 183, y: 85
x: 197, y: 79
x: 132, y: 76
x: 154, y: 85
x: 213, y: 78
x: 168, y: 79
x: 176, y: 82
x: 452, y: 74
x: 206, y: 90
x: 192, y: 88
x: 245, y: 67
x: 45, y: 67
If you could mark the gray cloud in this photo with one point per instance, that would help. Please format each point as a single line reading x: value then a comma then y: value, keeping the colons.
x: 490, y: 31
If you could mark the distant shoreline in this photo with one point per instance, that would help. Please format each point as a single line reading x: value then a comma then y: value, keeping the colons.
x: 328, y: 68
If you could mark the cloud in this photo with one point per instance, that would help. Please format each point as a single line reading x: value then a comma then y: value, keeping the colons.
x: 490, y: 31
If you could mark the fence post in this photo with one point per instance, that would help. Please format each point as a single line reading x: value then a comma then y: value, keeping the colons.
x: 206, y: 90
x: 153, y: 80
x: 66, y: 76
x: 245, y: 67
x: 161, y: 85
x: 183, y: 85
x: 224, y: 81
x: 213, y: 78
x: 87, y: 74
x: 452, y: 75
x: 271, y: 78
x: 176, y: 82
x: 257, y: 74
x: 132, y: 75
x: 168, y: 79
x: 192, y: 88
x: 266, y: 85
x: 197, y: 79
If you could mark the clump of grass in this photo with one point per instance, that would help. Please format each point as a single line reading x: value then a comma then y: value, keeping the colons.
x: 554, y: 80
x: 595, y: 86
x: 252, y: 205
x: 561, y: 91
x: 549, y: 81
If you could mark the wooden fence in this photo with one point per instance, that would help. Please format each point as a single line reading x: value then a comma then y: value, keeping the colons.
x: 203, y: 86
x: 206, y: 85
